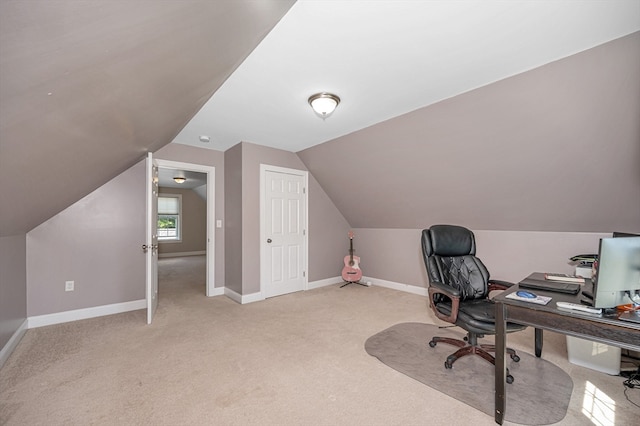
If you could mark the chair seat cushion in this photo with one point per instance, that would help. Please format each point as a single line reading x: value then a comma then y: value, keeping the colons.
x: 477, y: 316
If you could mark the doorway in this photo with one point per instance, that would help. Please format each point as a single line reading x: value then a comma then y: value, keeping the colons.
x: 201, y: 180
x: 283, y: 230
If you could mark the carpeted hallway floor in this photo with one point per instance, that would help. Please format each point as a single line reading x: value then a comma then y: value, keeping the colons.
x: 297, y: 359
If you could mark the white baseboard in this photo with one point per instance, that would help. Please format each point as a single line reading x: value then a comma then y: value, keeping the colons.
x: 182, y: 254
x: 243, y: 299
x: 79, y: 314
x: 324, y: 283
x: 236, y: 297
x: 253, y: 297
x: 256, y: 297
x: 421, y: 291
x: 116, y: 308
x: 217, y: 291
x: 11, y: 345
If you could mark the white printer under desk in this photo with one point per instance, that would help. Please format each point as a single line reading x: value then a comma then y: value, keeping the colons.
x: 590, y: 354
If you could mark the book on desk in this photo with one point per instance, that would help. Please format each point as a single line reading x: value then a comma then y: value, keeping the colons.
x: 537, y: 281
x: 564, y: 277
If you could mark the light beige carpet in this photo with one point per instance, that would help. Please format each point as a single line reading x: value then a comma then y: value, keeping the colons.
x: 539, y: 395
x: 297, y: 359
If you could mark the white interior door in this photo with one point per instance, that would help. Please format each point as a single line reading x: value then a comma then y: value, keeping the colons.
x: 151, y: 242
x: 284, y: 221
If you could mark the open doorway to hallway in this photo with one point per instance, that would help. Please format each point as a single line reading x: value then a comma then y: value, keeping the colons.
x: 186, y: 217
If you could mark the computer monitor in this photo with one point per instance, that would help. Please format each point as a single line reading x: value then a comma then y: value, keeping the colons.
x: 617, y: 234
x: 618, y: 271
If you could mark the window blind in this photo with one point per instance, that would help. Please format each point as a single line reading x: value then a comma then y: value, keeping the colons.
x: 168, y: 205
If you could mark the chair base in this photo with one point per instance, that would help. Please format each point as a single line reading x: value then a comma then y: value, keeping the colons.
x: 471, y: 347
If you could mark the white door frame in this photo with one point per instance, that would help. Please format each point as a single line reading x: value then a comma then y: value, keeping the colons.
x: 264, y: 279
x: 211, y: 213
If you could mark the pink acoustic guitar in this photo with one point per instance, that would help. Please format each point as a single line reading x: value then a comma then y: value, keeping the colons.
x: 351, y: 272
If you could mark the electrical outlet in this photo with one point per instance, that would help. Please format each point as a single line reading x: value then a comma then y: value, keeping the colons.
x: 69, y: 285
x: 218, y: 223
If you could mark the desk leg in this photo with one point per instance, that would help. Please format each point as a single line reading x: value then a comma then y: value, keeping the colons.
x: 501, y: 366
x: 538, y: 342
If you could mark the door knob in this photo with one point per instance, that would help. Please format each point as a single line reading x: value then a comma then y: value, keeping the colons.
x: 269, y: 240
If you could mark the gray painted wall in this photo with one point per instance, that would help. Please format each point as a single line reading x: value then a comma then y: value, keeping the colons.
x: 328, y: 239
x: 395, y: 254
x: 97, y: 243
x: 553, y: 149
x: 13, y: 285
x: 233, y: 214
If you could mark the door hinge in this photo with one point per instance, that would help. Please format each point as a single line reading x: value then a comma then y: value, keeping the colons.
x: 304, y: 232
x: 304, y: 273
x: 304, y: 189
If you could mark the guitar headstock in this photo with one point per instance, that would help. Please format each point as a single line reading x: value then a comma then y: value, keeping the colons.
x: 351, y: 235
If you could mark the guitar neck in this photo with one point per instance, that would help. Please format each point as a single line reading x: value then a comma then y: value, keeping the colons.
x: 351, y: 248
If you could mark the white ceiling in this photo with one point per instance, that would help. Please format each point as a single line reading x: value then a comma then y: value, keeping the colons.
x: 193, y: 179
x: 387, y: 58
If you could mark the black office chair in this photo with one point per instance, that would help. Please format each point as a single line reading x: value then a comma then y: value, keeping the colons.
x: 459, y: 287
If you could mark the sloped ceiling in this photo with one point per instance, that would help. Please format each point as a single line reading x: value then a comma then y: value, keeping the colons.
x: 87, y: 88
x: 553, y: 149
x: 385, y: 58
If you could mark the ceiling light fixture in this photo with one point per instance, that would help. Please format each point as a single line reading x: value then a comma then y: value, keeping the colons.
x: 205, y: 138
x: 324, y: 103
x: 179, y: 179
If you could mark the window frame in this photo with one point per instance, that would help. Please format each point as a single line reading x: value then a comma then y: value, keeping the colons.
x: 178, y: 237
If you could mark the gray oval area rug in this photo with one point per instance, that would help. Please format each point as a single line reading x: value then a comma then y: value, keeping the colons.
x: 539, y: 395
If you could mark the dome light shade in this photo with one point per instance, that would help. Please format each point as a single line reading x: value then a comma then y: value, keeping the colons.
x: 179, y: 179
x: 324, y: 103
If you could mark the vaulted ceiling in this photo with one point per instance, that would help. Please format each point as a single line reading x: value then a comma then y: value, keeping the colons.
x: 388, y: 58
x: 87, y: 88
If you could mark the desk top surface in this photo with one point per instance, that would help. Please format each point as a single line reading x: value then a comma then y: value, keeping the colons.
x: 609, y: 317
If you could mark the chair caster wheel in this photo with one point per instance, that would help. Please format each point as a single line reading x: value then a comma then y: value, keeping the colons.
x: 432, y: 344
x: 509, y: 378
x: 449, y: 362
x: 515, y: 358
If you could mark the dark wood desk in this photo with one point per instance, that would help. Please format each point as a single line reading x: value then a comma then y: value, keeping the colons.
x: 606, y: 329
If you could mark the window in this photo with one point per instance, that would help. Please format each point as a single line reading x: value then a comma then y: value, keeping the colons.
x: 169, y: 211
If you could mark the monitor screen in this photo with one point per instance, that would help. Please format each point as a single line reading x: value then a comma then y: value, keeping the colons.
x: 618, y: 271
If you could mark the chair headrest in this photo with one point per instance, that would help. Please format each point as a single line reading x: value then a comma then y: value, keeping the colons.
x: 448, y: 240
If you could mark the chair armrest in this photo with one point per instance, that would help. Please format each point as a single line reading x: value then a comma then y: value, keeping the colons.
x: 448, y: 292
x: 499, y: 285
x: 444, y: 289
